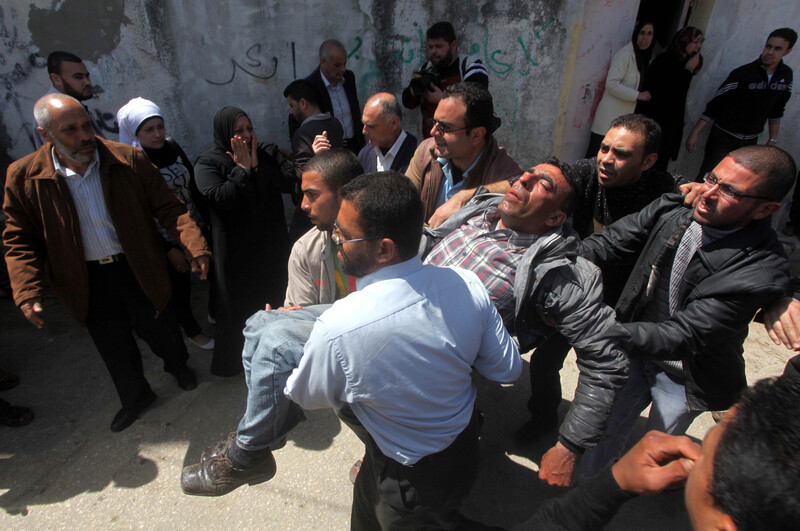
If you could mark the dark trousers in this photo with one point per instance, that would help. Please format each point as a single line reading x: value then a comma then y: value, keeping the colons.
x: 182, y: 301
x: 426, y: 495
x: 718, y: 145
x: 546, y: 362
x: 116, y: 306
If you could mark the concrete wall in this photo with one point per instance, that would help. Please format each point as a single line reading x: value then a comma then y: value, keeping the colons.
x: 547, y: 59
x: 194, y: 57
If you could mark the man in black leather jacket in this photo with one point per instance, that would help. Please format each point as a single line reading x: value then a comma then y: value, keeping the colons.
x: 696, y: 279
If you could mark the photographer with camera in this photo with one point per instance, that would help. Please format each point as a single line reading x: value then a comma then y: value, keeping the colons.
x: 441, y: 70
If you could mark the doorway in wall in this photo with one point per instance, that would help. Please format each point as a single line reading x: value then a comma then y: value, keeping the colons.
x: 668, y: 16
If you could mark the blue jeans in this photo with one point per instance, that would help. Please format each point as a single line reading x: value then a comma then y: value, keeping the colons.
x: 273, y: 348
x: 670, y: 413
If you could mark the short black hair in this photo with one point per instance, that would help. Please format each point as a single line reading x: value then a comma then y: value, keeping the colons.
x: 756, y: 469
x: 785, y: 33
x: 647, y: 127
x: 388, y: 206
x: 480, y: 107
x: 568, y: 204
x: 442, y: 30
x: 774, y: 165
x: 302, y: 89
x: 338, y: 167
x: 55, y: 59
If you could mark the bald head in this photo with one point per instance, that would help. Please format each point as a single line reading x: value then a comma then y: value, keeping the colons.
x: 45, y: 106
x: 382, y: 120
x: 63, y: 121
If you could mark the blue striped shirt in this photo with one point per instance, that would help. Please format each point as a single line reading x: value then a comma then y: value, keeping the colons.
x: 97, y: 230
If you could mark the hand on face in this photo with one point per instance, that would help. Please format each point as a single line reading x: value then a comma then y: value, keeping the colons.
x: 244, y: 151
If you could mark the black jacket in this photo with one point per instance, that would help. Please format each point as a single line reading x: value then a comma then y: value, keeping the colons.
x: 725, y: 283
x: 746, y: 99
x: 369, y: 161
x: 556, y: 289
x: 315, y: 78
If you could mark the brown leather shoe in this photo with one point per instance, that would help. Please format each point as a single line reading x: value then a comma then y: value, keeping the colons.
x: 215, y: 475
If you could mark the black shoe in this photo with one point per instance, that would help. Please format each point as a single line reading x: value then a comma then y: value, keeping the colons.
x: 215, y: 475
x: 535, y: 428
x: 186, y: 379
x: 128, y: 415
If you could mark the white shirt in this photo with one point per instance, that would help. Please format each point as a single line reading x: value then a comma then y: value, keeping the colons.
x: 340, y: 104
x: 401, y: 351
x: 385, y: 161
x: 97, y: 230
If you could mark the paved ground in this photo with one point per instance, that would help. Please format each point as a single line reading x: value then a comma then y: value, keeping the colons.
x: 67, y: 470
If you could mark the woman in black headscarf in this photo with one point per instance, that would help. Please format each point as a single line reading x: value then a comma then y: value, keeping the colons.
x: 242, y: 181
x: 667, y: 79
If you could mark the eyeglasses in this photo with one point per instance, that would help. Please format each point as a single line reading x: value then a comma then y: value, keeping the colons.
x: 729, y: 191
x: 442, y: 129
x: 336, y: 236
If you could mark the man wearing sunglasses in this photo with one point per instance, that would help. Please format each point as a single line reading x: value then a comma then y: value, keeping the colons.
x: 696, y: 279
x: 461, y: 154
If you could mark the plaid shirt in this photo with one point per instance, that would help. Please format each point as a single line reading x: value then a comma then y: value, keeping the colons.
x: 492, y: 254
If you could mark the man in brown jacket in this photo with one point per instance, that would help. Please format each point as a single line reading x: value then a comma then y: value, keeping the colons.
x: 461, y: 154
x: 85, y: 206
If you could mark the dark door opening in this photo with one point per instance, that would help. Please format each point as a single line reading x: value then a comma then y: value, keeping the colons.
x: 667, y: 17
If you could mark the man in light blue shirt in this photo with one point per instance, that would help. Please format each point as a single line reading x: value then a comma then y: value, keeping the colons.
x: 400, y: 353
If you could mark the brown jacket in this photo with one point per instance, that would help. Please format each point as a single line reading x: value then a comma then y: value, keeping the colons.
x: 426, y: 172
x: 42, y: 226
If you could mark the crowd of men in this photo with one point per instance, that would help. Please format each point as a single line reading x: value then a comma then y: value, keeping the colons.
x: 417, y: 263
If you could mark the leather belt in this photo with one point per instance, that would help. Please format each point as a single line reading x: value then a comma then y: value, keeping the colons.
x: 110, y: 259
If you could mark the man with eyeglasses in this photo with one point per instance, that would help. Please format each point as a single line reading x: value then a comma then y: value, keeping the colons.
x: 396, y: 359
x: 461, y: 154
x: 696, y: 279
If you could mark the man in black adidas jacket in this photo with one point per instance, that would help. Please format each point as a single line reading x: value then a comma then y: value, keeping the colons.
x: 751, y: 95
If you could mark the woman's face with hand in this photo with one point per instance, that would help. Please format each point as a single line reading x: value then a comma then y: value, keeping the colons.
x: 244, y: 129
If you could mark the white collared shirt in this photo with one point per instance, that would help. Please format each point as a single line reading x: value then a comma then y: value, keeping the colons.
x: 385, y: 161
x: 340, y: 104
x: 97, y: 230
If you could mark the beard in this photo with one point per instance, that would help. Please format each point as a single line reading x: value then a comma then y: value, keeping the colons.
x: 69, y: 91
x: 356, y: 264
x: 74, y: 154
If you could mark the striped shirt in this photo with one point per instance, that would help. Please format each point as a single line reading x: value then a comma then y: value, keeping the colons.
x: 491, y: 253
x: 97, y: 230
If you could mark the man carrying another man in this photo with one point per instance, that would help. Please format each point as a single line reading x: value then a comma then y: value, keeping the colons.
x: 411, y: 323
x: 552, y: 287
x: 316, y: 279
x: 695, y: 280
x: 619, y: 181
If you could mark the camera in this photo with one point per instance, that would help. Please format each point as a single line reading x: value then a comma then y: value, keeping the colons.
x: 428, y: 76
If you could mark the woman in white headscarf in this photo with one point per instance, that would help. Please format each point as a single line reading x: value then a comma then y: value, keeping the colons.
x: 141, y: 124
